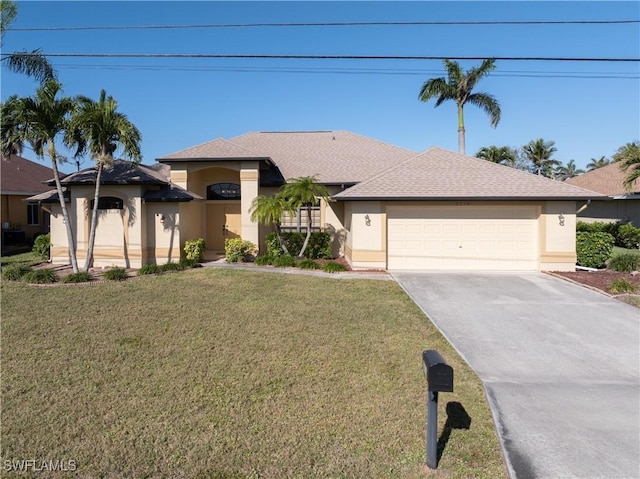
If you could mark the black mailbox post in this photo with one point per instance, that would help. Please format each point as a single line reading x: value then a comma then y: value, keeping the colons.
x: 439, y: 376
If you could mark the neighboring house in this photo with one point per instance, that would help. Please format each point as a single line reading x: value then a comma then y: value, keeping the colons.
x: 20, y: 179
x: 619, y: 205
x: 391, y: 207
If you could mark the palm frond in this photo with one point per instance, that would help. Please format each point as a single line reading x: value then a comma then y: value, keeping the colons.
x: 33, y: 64
x: 487, y: 103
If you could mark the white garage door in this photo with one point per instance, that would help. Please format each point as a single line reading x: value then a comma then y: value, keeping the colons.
x: 492, y: 238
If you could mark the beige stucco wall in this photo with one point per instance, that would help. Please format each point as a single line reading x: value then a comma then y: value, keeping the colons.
x: 163, y: 239
x: 366, y: 229
x: 558, y: 236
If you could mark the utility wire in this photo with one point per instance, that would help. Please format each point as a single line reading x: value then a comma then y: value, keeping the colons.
x: 324, y: 57
x: 326, y: 24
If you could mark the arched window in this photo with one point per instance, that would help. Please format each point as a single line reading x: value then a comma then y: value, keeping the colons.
x: 223, y: 191
x: 108, y: 203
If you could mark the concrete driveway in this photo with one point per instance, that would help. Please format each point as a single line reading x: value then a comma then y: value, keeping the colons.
x: 559, y: 362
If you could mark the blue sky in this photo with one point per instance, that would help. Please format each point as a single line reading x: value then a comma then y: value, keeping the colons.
x: 588, y: 108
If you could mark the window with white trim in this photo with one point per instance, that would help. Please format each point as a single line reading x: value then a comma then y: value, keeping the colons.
x: 299, y: 220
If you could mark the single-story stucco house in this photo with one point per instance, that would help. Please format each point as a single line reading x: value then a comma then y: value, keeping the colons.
x: 619, y: 204
x: 390, y: 208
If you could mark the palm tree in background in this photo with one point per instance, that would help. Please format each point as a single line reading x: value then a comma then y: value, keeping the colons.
x: 268, y: 210
x: 498, y: 154
x: 625, y: 151
x: 97, y: 127
x: 458, y: 86
x: 598, y: 163
x: 41, y: 120
x: 305, y: 193
x: 32, y: 64
x: 564, y: 172
x: 629, y: 158
x: 539, y: 153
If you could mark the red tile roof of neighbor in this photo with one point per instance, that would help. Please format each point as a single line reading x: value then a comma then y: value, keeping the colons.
x: 19, y: 176
x: 608, y: 180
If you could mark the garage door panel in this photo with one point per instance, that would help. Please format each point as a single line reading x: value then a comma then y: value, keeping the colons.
x: 480, y: 238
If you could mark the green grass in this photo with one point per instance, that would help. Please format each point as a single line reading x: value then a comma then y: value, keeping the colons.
x: 618, y: 250
x: 23, y: 259
x: 220, y: 373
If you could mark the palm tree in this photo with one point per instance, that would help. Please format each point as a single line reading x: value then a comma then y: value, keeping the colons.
x: 100, y: 129
x: 304, y: 192
x: 563, y: 172
x: 40, y: 120
x: 625, y: 151
x: 629, y: 159
x: 32, y: 64
x: 458, y: 86
x: 539, y: 152
x: 597, y: 163
x: 268, y: 210
x: 498, y: 154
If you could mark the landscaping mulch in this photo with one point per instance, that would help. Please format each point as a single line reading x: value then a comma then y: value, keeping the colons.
x: 600, y: 280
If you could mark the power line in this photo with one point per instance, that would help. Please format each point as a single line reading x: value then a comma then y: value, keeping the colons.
x: 327, y: 24
x: 323, y: 57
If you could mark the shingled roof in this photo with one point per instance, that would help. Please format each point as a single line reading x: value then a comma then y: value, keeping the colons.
x: 20, y: 176
x: 608, y: 180
x: 334, y: 157
x: 439, y: 174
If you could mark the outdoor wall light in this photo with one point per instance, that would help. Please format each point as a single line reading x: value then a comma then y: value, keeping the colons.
x: 367, y: 220
x: 162, y: 219
x: 561, y: 219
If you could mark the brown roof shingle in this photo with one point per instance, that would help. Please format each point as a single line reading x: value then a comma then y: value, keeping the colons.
x: 442, y: 174
x: 20, y: 176
x: 608, y: 180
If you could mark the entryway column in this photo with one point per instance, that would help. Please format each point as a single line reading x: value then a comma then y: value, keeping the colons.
x: 249, y: 183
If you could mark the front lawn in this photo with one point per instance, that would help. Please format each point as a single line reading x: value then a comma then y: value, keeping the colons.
x: 220, y: 373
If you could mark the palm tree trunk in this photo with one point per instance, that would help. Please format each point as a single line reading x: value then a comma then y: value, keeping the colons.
x: 461, y: 145
x: 94, y: 220
x: 65, y: 212
x: 282, y: 245
x: 308, y: 237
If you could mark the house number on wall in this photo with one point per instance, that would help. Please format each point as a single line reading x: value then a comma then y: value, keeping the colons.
x: 463, y: 203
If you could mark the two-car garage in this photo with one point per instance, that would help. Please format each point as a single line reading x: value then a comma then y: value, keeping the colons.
x: 463, y: 236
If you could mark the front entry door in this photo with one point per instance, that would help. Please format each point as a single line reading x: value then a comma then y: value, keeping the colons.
x: 223, y: 221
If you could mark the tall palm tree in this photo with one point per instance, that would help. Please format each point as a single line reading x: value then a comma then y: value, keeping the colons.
x: 458, y: 86
x: 41, y: 120
x: 625, y: 151
x: 629, y: 159
x: 304, y: 193
x: 268, y: 210
x: 498, y: 154
x: 564, y: 172
x: 33, y: 64
x: 597, y: 163
x: 539, y: 152
x: 98, y: 128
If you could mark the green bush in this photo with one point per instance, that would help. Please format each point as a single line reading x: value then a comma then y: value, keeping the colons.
x: 81, y: 277
x: 149, y: 269
x: 187, y: 263
x: 115, y: 274
x: 622, y: 286
x: 624, y: 262
x: 319, y: 246
x: 194, y: 249
x: 333, y: 267
x: 593, y: 249
x: 171, y: 266
x: 42, y: 245
x: 237, y: 249
x: 40, y: 276
x: 284, y: 261
x: 15, y: 272
x: 264, y: 260
x: 308, y: 264
x: 628, y: 237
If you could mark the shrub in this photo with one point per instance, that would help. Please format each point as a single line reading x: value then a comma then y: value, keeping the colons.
x: 273, y: 245
x: 622, y: 286
x: 237, y: 249
x: 625, y: 262
x: 333, y: 267
x: 264, y: 260
x: 194, y: 249
x: 40, y: 276
x: 15, y: 272
x: 308, y: 264
x: 319, y: 246
x: 149, y: 269
x: 115, y: 274
x: 593, y: 249
x: 187, y: 263
x: 81, y: 277
x: 628, y: 236
x: 42, y: 245
x: 284, y: 261
x: 171, y: 266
